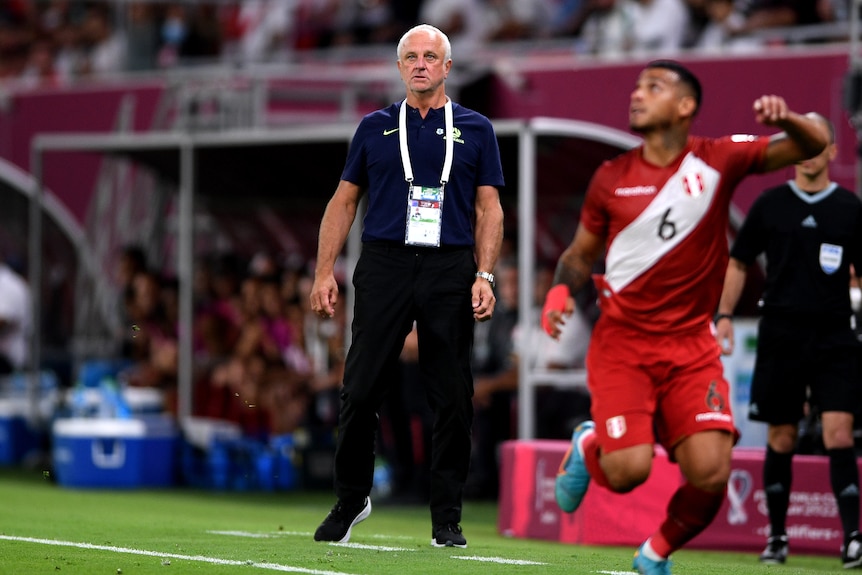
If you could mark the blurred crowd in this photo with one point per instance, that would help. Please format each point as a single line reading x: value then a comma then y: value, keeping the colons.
x: 264, y: 361
x: 56, y: 41
x: 261, y: 359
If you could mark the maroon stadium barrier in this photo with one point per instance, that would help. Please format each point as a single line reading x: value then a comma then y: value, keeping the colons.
x: 528, y: 509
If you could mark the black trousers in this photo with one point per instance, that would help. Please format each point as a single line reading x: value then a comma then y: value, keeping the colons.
x: 395, y: 286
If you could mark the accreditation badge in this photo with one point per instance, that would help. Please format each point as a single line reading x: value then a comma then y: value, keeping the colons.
x: 424, y: 216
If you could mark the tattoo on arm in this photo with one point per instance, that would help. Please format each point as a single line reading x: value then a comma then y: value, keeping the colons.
x: 573, y: 277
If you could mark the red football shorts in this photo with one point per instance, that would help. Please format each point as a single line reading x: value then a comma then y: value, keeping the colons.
x: 647, y: 387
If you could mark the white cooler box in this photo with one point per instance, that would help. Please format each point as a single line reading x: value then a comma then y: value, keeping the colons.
x: 115, y: 453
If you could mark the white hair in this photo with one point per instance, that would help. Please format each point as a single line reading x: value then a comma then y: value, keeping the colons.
x: 428, y: 28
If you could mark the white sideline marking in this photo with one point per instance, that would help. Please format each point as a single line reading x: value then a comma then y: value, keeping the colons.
x: 158, y: 554
x: 497, y: 560
x: 382, y: 536
x: 372, y: 547
x: 616, y: 572
x: 258, y: 534
x: 242, y: 534
x: 500, y: 560
x: 280, y: 533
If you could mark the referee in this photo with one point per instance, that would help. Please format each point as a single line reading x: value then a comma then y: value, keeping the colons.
x: 810, y: 230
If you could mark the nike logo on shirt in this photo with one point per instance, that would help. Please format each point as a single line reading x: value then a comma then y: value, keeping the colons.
x: 392, y: 131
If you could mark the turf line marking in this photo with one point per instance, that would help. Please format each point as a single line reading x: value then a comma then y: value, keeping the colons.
x: 242, y: 534
x: 388, y: 537
x: 258, y: 534
x: 372, y: 547
x: 160, y: 555
x: 280, y: 533
x: 617, y: 572
x: 496, y: 560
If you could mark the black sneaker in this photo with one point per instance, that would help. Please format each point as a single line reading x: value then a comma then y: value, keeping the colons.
x: 776, y: 550
x: 342, y: 518
x: 448, y: 535
x: 851, y: 551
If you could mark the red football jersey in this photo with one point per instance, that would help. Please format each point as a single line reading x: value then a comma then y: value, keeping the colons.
x: 666, y: 230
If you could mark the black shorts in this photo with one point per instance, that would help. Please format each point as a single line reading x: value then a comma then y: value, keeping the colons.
x: 796, y: 364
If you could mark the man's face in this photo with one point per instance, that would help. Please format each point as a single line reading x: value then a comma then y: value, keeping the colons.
x: 815, y: 166
x: 422, y: 62
x: 656, y: 100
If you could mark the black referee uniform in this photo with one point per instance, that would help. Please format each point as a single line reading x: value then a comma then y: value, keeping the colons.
x: 806, y: 343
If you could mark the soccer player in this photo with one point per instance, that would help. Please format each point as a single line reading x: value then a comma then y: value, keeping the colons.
x: 661, y: 212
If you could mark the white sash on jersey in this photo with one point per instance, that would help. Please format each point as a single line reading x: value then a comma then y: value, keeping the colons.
x: 688, y: 194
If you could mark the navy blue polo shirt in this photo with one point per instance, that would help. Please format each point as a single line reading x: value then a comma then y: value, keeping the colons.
x: 374, y: 164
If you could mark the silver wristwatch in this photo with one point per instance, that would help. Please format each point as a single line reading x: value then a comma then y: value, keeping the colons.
x: 487, y: 276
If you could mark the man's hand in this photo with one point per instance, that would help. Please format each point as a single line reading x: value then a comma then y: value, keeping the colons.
x: 724, y: 335
x: 324, y: 296
x: 770, y: 110
x: 558, y: 302
x: 484, y: 300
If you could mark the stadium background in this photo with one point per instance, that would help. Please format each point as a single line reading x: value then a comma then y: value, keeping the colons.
x: 98, y: 202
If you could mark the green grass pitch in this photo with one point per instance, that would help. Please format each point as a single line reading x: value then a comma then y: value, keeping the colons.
x: 50, y: 529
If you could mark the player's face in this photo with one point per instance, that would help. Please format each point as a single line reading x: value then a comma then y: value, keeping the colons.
x: 422, y: 64
x: 654, y: 103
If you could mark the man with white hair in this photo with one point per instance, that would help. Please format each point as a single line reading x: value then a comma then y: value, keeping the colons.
x: 436, y: 271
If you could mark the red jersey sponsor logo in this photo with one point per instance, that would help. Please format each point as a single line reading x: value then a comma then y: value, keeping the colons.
x: 713, y: 416
x: 635, y: 191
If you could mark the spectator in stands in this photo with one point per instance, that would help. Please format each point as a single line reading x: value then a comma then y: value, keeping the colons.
x: 260, y: 31
x: 263, y: 381
x: 40, y: 70
x: 362, y: 22
x: 154, y: 344
x: 661, y: 26
x: 567, y: 19
x: 16, y: 34
x: 70, y: 56
x: 104, y: 43
x: 608, y: 27
x: 724, y: 30
x: 810, y: 230
x: 405, y: 15
x: 143, y: 36
x: 636, y: 27
x: 172, y: 34
x: 315, y: 24
x: 203, y: 33
x: 130, y: 262
x: 763, y: 14
x: 833, y: 10
x: 507, y: 20
x: 218, y: 314
x: 461, y: 20
x: 16, y: 320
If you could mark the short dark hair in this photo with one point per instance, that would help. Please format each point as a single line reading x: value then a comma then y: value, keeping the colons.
x: 685, y: 76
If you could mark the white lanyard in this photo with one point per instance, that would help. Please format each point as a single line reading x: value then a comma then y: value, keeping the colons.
x: 449, y: 142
